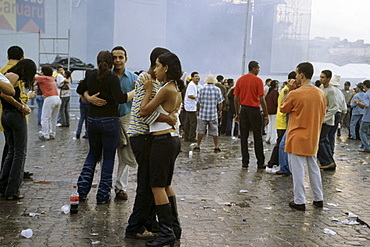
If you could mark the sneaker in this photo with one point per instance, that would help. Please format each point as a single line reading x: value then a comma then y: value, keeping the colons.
x: 300, y: 207
x: 261, y: 166
x: 102, y: 201
x: 77, y: 136
x: 283, y: 173
x: 146, y: 235
x: 196, y: 149
x: 43, y: 138
x: 329, y: 167
x: 85, y: 137
x: 59, y: 124
x: 217, y: 150
x: 27, y: 174
x: 318, y: 204
x: 121, y: 195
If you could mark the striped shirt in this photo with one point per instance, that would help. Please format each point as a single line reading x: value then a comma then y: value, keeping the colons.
x: 140, y: 125
x: 208, y: 99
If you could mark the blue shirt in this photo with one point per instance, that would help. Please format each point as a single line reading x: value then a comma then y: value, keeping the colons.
x: 366, y: 116
x: 208, y: 98
x: 127, y: 83
x: 356, y: 110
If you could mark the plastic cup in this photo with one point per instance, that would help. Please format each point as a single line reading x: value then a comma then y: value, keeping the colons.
x: 27, y: 233
x: 65, y: 209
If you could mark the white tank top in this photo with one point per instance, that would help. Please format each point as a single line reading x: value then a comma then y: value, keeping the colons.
x: 158, y: 126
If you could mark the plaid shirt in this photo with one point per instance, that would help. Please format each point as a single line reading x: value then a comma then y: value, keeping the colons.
x: 208, y: 99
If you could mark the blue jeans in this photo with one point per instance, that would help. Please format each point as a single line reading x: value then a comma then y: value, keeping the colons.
x: 364, y: 133
x: 40, y: 102
x: 103, y: 139
x: 250, y: 119
x: 354, y: 120
x: 11, y: 175
x: 324, y: 155
x: 141, y: 146
x: 283, y: 156
x: 229, y: 124
x: 84, y: 109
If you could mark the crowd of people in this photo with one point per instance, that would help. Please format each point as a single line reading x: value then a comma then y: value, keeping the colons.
x: 137, y: 115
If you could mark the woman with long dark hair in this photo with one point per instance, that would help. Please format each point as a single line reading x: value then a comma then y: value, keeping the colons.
x: 272, y: 103
x: 103, y: 126
x: 14, y: 123
x: 165, y: 137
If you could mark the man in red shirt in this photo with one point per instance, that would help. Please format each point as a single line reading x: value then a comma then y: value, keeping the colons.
x: 250, y: 95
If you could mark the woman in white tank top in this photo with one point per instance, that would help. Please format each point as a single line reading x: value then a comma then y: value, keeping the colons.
x: 165, y: 146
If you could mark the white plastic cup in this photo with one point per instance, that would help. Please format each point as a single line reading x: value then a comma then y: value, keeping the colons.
x: 65, y: 209
x: 27, y: 233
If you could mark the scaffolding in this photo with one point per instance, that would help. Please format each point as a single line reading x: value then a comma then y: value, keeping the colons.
x: 54, y: 49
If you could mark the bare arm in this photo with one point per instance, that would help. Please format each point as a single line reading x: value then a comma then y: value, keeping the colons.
x: 264, y: 107
x: 6, y: 88
x: 23, y: 108
x: 237, y: 107
x: 93, y: 99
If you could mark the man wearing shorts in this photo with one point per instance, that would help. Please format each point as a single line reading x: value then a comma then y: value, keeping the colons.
x: 209, y: 103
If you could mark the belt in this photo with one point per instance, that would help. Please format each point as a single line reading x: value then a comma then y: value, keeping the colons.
x: 167, y: 135
x: 11, y: 110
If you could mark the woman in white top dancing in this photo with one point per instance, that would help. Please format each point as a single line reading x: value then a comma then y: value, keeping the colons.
x: 165, y: 146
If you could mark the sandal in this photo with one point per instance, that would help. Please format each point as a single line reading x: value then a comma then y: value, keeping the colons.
x: 197, y: 149
x: 217, y: 150
x: 15, y: 197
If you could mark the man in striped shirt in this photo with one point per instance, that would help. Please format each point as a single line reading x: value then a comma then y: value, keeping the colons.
x: 141, y: 142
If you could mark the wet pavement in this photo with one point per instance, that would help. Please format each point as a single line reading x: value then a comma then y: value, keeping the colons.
x: 219, y: 203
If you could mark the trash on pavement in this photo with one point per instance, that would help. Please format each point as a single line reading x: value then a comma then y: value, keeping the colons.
x: 332, y: 204
x: 339, y: 190
x: 27, y: 233
x: 330, y: 232
x: 65, y: 209
x: 243, y: 191
x: 343, y: 159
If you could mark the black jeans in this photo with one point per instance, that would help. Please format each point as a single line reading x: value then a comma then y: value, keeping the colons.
x: 141, y: 146
x: 274, y: 159
x: 250, y: 119
x: 11, y: 176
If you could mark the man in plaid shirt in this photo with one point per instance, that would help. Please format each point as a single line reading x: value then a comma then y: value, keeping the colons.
x: 209, y: 103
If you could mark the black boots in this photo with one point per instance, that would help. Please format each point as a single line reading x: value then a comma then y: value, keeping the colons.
x: 166, y: 236
x: 175, y: 217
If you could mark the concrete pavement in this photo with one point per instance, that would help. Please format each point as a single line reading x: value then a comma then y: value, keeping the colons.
x: 219, y: 203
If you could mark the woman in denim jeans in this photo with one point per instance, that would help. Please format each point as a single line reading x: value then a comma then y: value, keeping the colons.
x: 15, y: 127
x: 103, y: 126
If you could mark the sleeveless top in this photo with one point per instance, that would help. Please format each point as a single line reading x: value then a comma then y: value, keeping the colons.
x: 17, y: 95
x: 158, y: 126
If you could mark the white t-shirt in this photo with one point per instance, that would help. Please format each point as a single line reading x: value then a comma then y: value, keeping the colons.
x: 60, y: 80
x: 191, y: 104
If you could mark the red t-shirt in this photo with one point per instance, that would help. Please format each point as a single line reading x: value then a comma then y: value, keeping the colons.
x: 48, y: 85
x: 249, y: 88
